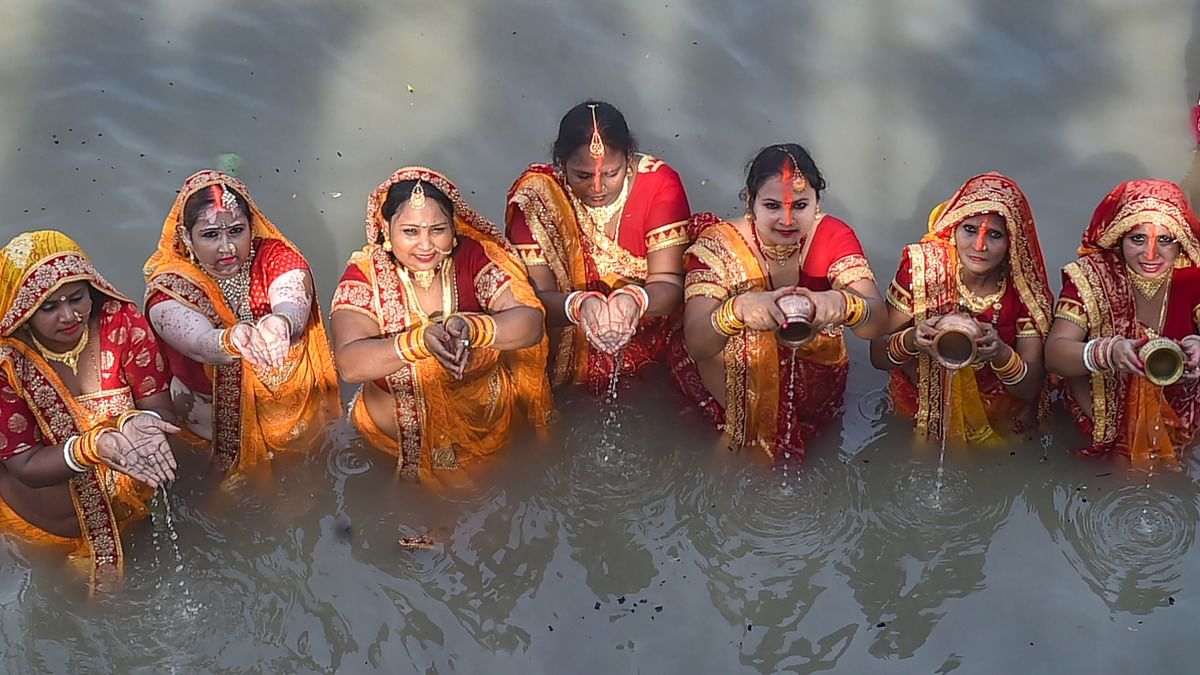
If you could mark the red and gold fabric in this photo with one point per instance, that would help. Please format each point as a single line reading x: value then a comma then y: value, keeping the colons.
x: 442, y: 423
x: 1130, y: 415
x: 254, y: 413
x: 546, y: 225
x: 776, y: 397
x: 970, y: 405
x: 37, y: 409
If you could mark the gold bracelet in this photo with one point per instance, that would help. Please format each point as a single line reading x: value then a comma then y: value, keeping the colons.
x: 410, y: 345
x: 856, y: 309
x: 899, y: 353
x: 227, y: 345
x: 725, y: 321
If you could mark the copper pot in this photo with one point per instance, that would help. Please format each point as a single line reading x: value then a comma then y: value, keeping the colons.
x: 1163, y: 360
x: 954, y: 344
x: 798, y: 312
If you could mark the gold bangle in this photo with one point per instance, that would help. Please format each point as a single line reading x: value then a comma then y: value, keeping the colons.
x: 482, y: 328
x: 410, y: 345
x: 856, y: 309
x: 899, y: 353
x: 725, y: 321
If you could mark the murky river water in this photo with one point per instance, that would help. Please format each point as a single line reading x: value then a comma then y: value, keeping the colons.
x: 636, y: 548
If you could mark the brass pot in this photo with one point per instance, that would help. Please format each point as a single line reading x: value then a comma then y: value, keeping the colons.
x: 1163, y: 360
x: 798, y: 312
x: 954, y: 344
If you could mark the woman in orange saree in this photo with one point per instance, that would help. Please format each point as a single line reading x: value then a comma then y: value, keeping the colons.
x: 232, y: 301
x: 980, y: 258
x: 1137, y: 277
x: 83, y: 403
x: 436, y: 320
x: 602, y: 233
x: 764, y: 394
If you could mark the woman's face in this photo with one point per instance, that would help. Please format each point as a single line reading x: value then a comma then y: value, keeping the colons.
x: 783, y: 214
x: 58, y: 323
x: 1150, y: 250
x: 221, y: 241
x: 421, y: 238
x: 982, y: 243
x: 580, y: 170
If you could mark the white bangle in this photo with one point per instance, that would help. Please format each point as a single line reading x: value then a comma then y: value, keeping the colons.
x: 567, y: 305
x: 1087, y: 356
x: 69, y: 457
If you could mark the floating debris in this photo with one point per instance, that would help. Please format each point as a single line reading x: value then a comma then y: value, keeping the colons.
x: 418, y: 542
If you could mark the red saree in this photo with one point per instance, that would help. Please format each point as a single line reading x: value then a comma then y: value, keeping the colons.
x: 1130, y: 415
x: 976, y: 404
x: 776, y: 397
x: 546, y: 228
x: 37, y: 409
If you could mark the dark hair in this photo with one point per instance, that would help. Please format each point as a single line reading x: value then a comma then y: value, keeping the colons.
x: 206, y: 197
x: 400, y: 192
x: 770, y: 162
x: 575, y: 131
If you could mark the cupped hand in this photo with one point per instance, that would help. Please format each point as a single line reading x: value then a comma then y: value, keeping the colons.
x: 250, y: 344
x: 441, y: 345
x: 1191, y: 357
x: 759, y: 310
x: 149, y: 460
x: 276, y: 338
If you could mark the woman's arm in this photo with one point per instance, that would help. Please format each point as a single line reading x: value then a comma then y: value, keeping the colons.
x: 1064, y: 349
x: 291, y: 297
x: 188, y: 332
x: 664, y: 280
x: 517, y: 325
x: 877, y: 320
x: 896, y: 320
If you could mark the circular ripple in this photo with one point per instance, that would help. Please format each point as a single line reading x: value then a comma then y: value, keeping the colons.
x: 345, y: 460
x: 876, y: 404
x: 812, y: 505
x: 1131, y: 541
x: 917, y: 496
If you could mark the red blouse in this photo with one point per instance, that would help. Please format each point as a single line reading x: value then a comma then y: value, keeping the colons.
x: 131, y: 369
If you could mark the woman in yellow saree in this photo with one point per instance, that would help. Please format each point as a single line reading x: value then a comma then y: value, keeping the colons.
x: 436, y: 319
x: 83, y: 403
x: 232, y: 301
x: 729, y: 360
x: 980, y: 258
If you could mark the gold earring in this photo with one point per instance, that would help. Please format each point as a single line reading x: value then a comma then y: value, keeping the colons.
x: 387, y: 244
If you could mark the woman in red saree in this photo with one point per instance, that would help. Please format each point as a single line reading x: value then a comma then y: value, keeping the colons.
x: 436, y: 320
x: 1137, y: 277
x: 980, y: 258
x: 602, y: 233
x: 83, y: 403
x: 727, y: 360
x: 233, y: 302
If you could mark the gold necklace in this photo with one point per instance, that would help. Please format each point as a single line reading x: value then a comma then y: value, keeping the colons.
x: 1148, y: 288
x: 425, y: 277
x: 449, y: 289
x: 69, y: 358
x: 600, y: 215
x: 977, y: 305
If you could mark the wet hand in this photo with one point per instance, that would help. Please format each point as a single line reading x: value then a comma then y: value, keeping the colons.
x: 595, y: 320
x: 925, y: 332
x: 829, y: 307
x: 760, y: 310
x: 439, y: 343
x: 250, y: 344
x: 989, y: 348
x: 1125, y: 358
x: 624, y: 313
x: 1191, y: 361
x: 276, y: 338
x: 149, y: 461
x: 458, y: 331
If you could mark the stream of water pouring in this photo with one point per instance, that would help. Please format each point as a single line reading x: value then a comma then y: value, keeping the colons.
x: 612, y: 417
x: 791, y: 417
x: 941, y: 468
x: 164, y: 528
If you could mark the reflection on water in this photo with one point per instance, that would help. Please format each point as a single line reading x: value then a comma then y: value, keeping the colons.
x: 635, y: 546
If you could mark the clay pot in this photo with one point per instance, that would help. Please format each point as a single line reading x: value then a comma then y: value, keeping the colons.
x: 954, y: 345
x: 798, y: 312
x: 1163, y: 360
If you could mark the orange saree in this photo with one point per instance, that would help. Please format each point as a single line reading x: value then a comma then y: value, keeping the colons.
x: 254, y: 413
x: 545, y: 225
x: 441, y: 423
x: 776, y: 397
x: 1131, y: 416
x: 37, y: 409
x: 970, y: 405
